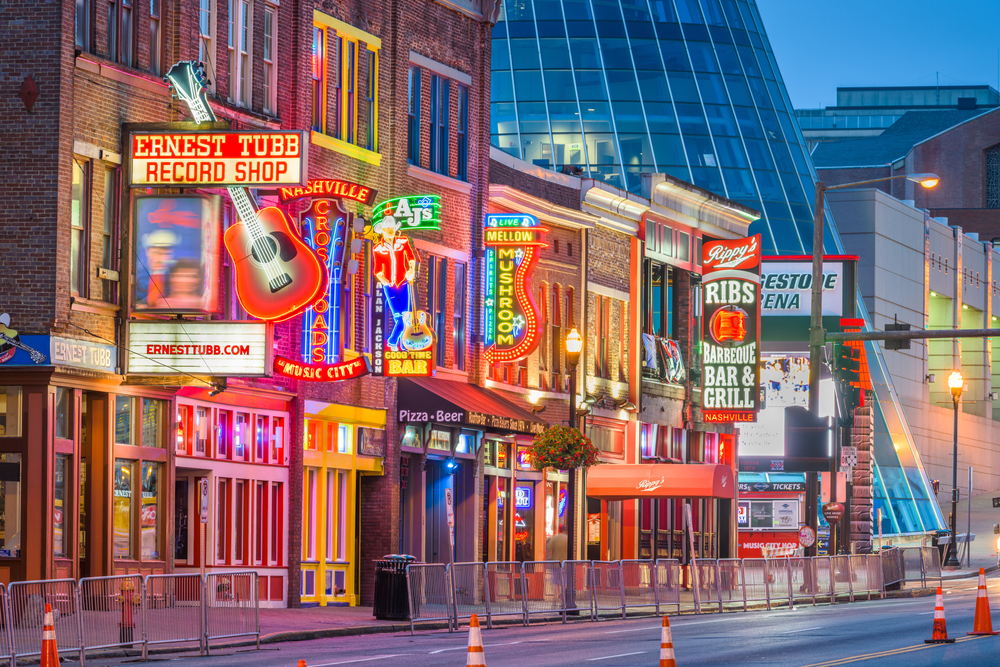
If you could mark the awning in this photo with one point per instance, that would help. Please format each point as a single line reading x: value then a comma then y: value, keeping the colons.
x: 423, y: 400
x: 690, y: 480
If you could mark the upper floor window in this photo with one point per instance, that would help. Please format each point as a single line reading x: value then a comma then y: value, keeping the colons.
x: 240, y: 50
x: 318, y: 76
x: 440, y: 97
x: 270, y: 60
x: 413, y: 118
x: 83, y: 25
x: 206, y: 37
x: 121, y: 40
x: 462, y: 126
x: 658, y: 299
x: 371, y: 91
x: 458, y: 318
x: 79, y: 227
x: 339, y: 52
x: 155, y: 38
x: 437, y: 302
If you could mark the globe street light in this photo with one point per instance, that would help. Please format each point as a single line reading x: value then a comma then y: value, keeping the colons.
x: 956, y: 383
x: 574, y: 346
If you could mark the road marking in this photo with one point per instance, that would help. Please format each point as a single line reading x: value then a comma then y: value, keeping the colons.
x: 652, y: 627
x: 457, y: 648
x: 792, y: 632
x: 620, y: 655
x: 884, y: 654
x: 347, y: 662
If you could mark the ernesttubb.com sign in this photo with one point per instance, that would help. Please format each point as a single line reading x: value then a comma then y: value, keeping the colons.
x: 176, y: 347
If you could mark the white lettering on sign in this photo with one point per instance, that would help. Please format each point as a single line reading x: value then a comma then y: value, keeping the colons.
x: 442, y: 416
x: 650, y: 484
x: 728, y: 257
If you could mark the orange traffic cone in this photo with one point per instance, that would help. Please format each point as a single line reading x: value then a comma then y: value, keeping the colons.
x: 983, y: 623
x: 50, y: 651
x: 476, y: 655
x: 667, y: 645
x: 940, y: 634
x: 302, y: 663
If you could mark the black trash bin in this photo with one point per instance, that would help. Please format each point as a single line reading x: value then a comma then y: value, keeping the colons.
x: 392, y: 600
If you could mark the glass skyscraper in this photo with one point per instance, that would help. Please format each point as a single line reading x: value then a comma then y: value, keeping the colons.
x: 609, y: 89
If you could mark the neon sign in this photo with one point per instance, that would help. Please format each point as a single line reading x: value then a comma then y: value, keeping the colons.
x: 412, y: 212
x: 345, y: 370
x: 523, y: 497
x: 324, y: 228
x: 511, y: 317
x: 328, y: 188
x: 731, y: 323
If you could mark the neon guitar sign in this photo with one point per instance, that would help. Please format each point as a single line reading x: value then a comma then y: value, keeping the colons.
x: 277, y: 274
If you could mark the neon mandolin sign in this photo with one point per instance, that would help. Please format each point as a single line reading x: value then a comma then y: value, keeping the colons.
x: 512, y: 245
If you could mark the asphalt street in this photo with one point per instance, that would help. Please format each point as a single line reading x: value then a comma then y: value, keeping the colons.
x: 889, y: 632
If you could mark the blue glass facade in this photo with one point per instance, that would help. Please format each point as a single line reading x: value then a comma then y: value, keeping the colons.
x: 609, y: 89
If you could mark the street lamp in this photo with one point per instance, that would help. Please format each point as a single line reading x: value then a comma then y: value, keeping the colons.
x: 956, y: 383
x: 574, y: 346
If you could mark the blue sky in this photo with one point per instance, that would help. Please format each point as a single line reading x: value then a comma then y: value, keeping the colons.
x: 821, y: 44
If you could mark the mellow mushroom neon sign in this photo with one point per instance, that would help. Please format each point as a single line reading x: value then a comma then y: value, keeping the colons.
x: 512, y: 245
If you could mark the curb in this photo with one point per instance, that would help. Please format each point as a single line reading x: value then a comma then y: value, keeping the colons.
x: 955, y: 577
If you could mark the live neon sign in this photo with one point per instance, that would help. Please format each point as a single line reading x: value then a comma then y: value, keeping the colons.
x: 512, y: 243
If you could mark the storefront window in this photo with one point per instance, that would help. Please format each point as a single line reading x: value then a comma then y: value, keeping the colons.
x: 59, y: 542
x: 183, y: 428
x: 277, y: 439
x: 608, y: 440
x: 10, y: 411
x: 503, y: 459
x: 123, y: 508
x: 466, y: 443
x: 344, y: 433
x: 123, y: 420
x: 149, y: 516
x: 241, y: 436
x: 151, y: 410
x: 260, y: 439
x: 201, y: 431
x: 524, y: 522
x: 221, y: 532
x: 503, y: 489
x: 275, y: 508
x: 523, y: 458
x: 440, y: 440
x: 238, y: 503
x: 63, y: 397
x: 412, y: 438
x: 10, y: 503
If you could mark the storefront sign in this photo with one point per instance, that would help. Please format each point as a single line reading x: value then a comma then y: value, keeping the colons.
x: 832, y: 512
x: 324, y: 229
x: 176, y: 347
x: 502, y: 422
x: 449, y: 503
x: 412, y: 212
x: 203, y: 489
x: 752, y: 542
x: 786, y: 288
x: 512, y: 244
x: 18, y: 350
x: 82, y: 354
x: 524, y: 497
x: 345, y: 370
x: 209, y: 159
x: 807, y: 536
x: 326, y: 188
x: 731, y: 330
x: 176, y: 254
x: 773, y: 487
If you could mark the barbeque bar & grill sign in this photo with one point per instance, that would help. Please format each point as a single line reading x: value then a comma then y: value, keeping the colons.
x: 731, y: 330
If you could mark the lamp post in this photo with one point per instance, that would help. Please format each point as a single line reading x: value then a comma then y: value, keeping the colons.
x: 574, y: 345
x: 816, y: 332
x: 956, y: 383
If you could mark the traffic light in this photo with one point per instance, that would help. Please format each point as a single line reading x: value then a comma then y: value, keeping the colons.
x: 847, y: 364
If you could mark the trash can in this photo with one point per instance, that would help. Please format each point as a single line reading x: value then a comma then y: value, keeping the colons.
x: 392, y: 599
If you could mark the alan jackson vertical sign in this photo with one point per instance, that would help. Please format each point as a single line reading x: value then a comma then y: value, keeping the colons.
x: 731, y: 330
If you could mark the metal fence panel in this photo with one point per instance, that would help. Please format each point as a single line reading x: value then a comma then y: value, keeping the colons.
x: 932, y: 563
x: 707, y: 581
x: 506, y: 587
x: 231, y: 605
x: 430, y: 590
x: 779, y: 585
x: 824, y: 576
x: 579, y: 591
x: 910, y: 564
x: 730, y: 582
x: 859, y: 574
x: 173, y: 609
x: 638, y: 584
x: 894, y: 566
x: 755, y: 580
x: 840, y: 567
x: 27, y: 600
x: 607, y: 586
x: 874, y: 565
x: 469, y: 581
x: 543, y: 582
x: 111, y: 611
x: 668, y: 583
x: 803, y: 578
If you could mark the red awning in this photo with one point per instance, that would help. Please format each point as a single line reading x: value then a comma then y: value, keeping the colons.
x: 691, y: 480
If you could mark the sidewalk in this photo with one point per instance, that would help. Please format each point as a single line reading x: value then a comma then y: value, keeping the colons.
x: 315, y: 622
x: 984, y: 548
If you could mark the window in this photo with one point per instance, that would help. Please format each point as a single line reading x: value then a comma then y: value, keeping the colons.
x: 318, y: 72
x: 122, y: 510
x: 603, y: 305
x: 440, y: 96
x: 206, y: 32
x: 331, y: 513
x: 278, y: 440
x: 342, y: 516
x: 310, y: 513
x: 108, y: 255
x: 151, y: 411
x: 10, y: 503
x: 458, y: 317
x: 240, y: 48
x: 83, y: 25
x: 60, y: 537
x: 658, y: 299
x: 345, y: 439
x: 557, y: 331
x: 545, y: 325
x: 10, y: 414
x: 238, y: 511
x: 437, y: 295
x: 121, y: 40
x: 149, y: 515
x: 241, y: 436
x: 224, y: 434
x: 201, y: 426
x: 221, y: 521
x: 270, y: 60
x: 259, y: 498
x: 463, y: 134
x: 413, y: 119
x: 155, y: 46
x: 79, y: 223
x: 64, y: 398
x: 371, y: 91
x: 337, y: 88
x: 274, y: 535
x: 348, y: 52
x: 183, y: 432
x: 569, y: 312
x: 123, y: 420
x: 622, y: 348
x: 260, y: 440
x: 112, y: 30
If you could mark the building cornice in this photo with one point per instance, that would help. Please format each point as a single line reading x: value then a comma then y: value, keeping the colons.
x: 544, y: 210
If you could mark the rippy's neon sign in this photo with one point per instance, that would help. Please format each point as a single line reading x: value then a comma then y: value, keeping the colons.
x: 513, y: 242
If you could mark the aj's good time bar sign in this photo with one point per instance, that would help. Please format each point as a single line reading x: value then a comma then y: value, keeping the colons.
x: 177, y: 347
x: 731, y: 330
x: 512, y: 245
x: 191, y: 159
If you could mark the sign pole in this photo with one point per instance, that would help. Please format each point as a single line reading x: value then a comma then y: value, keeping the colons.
x: 203, y: 496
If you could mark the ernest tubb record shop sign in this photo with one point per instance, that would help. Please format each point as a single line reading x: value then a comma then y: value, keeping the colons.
x: 731, y: 330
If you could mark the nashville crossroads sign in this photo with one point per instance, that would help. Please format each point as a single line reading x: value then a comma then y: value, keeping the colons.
x: 731, y: 330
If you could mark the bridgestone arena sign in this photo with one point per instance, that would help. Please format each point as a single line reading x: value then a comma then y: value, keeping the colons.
x: 176, y: 347
x: 731, y: 330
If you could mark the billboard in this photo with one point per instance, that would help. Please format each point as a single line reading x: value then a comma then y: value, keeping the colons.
x: 176, y: 254
x: 730, y: 299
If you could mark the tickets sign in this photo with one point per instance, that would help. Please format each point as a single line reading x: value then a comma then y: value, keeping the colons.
x: 731, y: 330
x: 196, y: 159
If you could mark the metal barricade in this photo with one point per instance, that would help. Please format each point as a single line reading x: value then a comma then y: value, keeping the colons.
x: 471, y: 592
x: 506, y: 588
x: 840, y: 567
x: 755, y: 581
x: 731, y: 589
x: 824, y: 576
x: 910, y: 566
x: 174, y: 609
x: 544, y: 594
x: 232, y: 606
x: 668, y: 583
x: 26, y: 613
x: 779, y: 585
x: 874, y: 565
x: 638, y: 585
x: 111, y: 612
x: 429, y: 585
x: 930, y: 557
x: 579, y: 590
x: 859, y: 574
x: 706, y: 579
x: 607, y: 586
x: 803, y: 578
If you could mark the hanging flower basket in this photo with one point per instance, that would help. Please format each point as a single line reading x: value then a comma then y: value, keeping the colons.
x: 563, y: 448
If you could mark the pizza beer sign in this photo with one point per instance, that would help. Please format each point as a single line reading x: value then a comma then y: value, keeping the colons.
x: 731, y: 330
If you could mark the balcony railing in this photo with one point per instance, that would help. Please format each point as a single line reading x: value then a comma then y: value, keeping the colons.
x: 662, y: 360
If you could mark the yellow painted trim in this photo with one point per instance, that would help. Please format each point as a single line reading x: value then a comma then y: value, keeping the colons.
x: 352, y: 414
x: 350, y: 150
x: 346, y: 28
x: 368, y: 464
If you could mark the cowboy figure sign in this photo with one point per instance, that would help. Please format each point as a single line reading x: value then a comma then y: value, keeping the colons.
x: 394, y: 263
